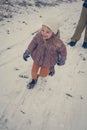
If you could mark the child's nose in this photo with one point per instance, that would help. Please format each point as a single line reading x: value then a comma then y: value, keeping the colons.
x: 44, y: 33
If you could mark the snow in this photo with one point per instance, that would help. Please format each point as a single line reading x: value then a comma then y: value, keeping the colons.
x: 58, y: 102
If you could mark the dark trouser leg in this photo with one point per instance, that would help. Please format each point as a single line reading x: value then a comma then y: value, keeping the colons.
x: 81, y: 25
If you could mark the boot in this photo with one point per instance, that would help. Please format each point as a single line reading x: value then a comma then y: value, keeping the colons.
x: 31, y: 84
x: 72, y: 43
x: 84, y: 45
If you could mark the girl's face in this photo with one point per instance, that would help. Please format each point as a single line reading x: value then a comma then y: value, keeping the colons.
x: 46, y: 32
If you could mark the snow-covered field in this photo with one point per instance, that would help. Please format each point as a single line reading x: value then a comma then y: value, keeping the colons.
x: 56, y: 103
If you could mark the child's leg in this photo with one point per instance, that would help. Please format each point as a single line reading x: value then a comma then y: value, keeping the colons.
x: 44, y: 71
x: 34, y: 72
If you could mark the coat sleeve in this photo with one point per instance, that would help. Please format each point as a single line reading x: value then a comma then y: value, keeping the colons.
x: 62, y: 53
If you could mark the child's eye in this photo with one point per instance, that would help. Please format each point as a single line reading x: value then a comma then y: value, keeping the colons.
x: 42, y: 30
x: 47, y: 32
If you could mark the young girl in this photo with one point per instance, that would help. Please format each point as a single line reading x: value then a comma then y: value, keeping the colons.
x: 46, y: 50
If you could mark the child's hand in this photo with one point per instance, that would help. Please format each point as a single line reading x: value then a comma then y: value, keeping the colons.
x: 26, y: 55
x: 61, y: 62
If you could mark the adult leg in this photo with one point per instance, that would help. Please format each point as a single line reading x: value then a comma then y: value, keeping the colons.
x: 81, y: 25
x: 84, y: 45
x: 85, y: 37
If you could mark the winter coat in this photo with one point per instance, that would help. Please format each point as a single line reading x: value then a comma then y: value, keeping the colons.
x: 46, y: 53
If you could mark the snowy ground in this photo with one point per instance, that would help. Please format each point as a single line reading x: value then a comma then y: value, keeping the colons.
x: 58, y: 102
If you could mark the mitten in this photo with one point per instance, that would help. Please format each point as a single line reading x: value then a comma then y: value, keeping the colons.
x: 61, y: 62
x: 26, y: 55
x: 52, y: 71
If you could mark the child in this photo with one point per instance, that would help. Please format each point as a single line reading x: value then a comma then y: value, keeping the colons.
x: 46, y: 50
